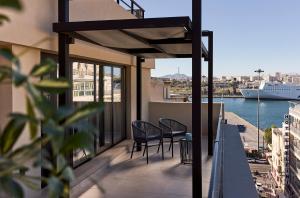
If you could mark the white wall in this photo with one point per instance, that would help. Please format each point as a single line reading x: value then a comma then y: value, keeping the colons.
x: 182, y: 112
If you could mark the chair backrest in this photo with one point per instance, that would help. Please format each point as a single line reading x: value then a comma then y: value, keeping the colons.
x: 173, y: 125
x: 141, y: 130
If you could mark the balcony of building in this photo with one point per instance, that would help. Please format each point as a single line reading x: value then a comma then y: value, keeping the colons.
x: 132, y: 7
x: 226, y: 173
x: 219, y: 163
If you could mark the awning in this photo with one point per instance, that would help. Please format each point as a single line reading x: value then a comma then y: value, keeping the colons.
x: 149, y: 38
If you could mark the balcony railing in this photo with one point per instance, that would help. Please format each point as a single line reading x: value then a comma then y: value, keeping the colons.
x: 217, y: 167
x: 132, y: 7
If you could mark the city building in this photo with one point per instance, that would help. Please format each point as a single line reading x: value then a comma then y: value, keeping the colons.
x: 243, y: 78
x: 278, y: 76
x: 294, y: 150
x: 160, y: 89
x: 106, y: 49
x: 254, y: 78
x: 269, y: 78
x: 296, y: 79
x: 280, y: 155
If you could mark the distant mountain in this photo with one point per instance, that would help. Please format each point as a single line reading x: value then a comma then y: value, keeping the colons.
x: 177, y: 77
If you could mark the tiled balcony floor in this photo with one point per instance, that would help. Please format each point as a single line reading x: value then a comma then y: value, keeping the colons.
x: 113, y: 174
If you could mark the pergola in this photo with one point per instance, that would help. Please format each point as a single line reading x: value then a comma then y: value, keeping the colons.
x: 173, y: 37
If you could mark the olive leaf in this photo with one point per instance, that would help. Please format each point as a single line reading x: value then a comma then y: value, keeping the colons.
x: 3, y: 18
x: 82, y: 113
x: 11, y: 134
x: 11, y: 187
x: 12, y: 4
x: 52, y: 86
x: 32, y: 125
x: 44, y: 68
x: 9, y: 56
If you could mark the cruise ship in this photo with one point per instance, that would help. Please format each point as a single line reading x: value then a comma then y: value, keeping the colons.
x: 274, y: 90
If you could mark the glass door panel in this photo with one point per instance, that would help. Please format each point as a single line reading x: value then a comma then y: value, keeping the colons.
x: 107, y: 100
x: 83, y: 93
x: 118, y: 106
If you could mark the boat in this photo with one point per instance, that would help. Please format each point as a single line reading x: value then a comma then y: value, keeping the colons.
x: 273, y: 90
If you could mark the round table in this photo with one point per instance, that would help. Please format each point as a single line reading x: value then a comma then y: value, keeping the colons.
x: 186, y: 151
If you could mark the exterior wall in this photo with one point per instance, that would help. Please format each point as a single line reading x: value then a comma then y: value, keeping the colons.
x: 5, y: 98
x: 277, y: 157
x: 31, y: 30
x: 182, y: 111
x: 294, y: 150
x: 34, y: 25
x: 160, y: 90
x: 157, y: 90
x: 28, y: 60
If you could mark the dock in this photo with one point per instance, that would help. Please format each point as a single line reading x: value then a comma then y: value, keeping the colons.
x: 249, y: 135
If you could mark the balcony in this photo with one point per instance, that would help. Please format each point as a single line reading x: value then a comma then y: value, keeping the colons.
x: 132, y: 7
x: 226, y: 173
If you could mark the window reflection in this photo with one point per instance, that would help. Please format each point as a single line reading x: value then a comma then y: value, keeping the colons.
x: 83, y: 82
x: 107, y: 84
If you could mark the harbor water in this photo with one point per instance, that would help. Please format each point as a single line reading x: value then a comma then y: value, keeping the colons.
x: 271, y: 111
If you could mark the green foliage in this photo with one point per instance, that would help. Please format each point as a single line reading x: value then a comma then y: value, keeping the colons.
x: 12, y: 4
x: 15, y: 161
x: 268, y: 134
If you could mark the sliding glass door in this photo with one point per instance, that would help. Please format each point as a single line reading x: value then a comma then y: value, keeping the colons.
x: 97, y: 82
x: 83, y: 93
x: 118, y: 105
x: 100, y: 83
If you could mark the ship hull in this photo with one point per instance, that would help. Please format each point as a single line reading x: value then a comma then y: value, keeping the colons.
x: 253, y: 93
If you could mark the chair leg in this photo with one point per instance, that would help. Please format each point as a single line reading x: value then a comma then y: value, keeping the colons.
x: 147, y: 151
x: 132, y: 150
x: 162, y: 149
x: 172, y: 147
x: 144, y: 150
x: 170, y: 144
x: 158, y: 146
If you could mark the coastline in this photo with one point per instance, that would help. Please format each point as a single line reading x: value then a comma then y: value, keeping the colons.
x: 249, y: 136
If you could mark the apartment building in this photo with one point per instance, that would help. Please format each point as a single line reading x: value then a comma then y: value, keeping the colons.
x: 294, y: 150
x: 277, y: 155
x: 280, y: 155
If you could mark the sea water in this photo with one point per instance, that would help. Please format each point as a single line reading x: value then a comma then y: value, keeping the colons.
x: 271, y: 111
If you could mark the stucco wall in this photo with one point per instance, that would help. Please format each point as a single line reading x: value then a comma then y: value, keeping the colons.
x: 28, y: 60
x: 5, y: 98
x: 34, y: 24
x: 182, y: 112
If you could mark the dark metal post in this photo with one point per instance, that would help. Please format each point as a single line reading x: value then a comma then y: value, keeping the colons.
x: 196, y: 93
x: 63, y: 58
x: 132, y: 6
x: 139, y: 61
x: 210, y: 93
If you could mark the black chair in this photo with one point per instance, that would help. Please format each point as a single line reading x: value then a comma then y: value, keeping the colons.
x: 145, y: 132
x: 172, y: 128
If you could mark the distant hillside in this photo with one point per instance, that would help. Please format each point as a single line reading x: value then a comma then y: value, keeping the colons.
x: 177, y: 77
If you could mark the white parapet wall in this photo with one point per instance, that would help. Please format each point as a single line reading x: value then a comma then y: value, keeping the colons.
x: 182, y: 112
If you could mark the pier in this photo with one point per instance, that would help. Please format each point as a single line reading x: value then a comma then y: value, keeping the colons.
x: 249, y: 135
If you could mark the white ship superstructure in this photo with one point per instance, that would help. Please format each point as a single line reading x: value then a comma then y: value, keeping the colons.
x: 274, y: 90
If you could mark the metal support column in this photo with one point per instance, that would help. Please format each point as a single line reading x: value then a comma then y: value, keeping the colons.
x: 196, y: 93
x: 210, y: 93
x: 63, y: 58
x: 139, y: 82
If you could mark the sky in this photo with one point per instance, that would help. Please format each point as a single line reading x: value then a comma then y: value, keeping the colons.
x: 248, y: 34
